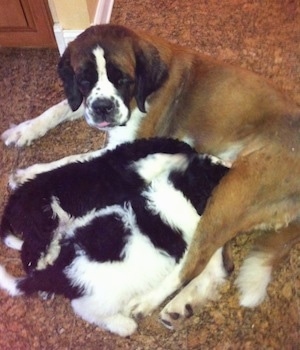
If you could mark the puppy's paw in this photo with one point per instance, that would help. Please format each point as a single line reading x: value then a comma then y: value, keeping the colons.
x: 121, y: 325
x: 13, y: 242
x: 140, y: 307
x: 18, y: 135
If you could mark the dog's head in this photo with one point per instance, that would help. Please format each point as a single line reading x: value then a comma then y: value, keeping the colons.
x: 108, y: 67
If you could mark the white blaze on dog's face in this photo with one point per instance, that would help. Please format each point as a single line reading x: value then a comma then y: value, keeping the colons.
x: 105, y: 106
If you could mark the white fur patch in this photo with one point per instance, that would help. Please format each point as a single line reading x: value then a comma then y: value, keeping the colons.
x: 218, y: 161
x: 253, y: 279
x: 54, y: 248
x: 13, y: 242
x: 153, y: 165
x: 116, y: 323
x: 8, y: 283
x: 180, y: 214
x: 230, y: 155
x: 125, y: 133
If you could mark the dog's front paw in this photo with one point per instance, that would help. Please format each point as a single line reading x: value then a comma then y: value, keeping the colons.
x: 179, y: 308
x: 19, y: 135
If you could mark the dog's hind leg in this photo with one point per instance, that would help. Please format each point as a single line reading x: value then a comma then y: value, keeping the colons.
x: 255, y: 273
x: 252, y: 195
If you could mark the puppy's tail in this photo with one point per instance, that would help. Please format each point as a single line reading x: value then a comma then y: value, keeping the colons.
x: 9, y: 283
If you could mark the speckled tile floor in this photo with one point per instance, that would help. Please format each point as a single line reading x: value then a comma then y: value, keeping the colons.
x: 263, y: 36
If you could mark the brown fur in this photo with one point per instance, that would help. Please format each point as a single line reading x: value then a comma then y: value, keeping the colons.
x: 227, y: 112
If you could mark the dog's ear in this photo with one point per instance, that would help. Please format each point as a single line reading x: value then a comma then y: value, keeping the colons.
x: 151, y: 72
x: 67, y: 75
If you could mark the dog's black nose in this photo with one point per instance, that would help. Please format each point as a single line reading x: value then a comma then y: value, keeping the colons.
x: 103, y: 106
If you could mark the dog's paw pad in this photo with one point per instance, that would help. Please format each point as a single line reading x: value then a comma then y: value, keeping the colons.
x: 189, y: 312
x: 176, y: 311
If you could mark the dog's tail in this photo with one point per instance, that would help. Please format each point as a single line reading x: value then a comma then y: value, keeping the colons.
x: 9, y: 283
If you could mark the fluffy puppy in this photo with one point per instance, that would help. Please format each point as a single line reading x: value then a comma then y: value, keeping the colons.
x: 106, y: 231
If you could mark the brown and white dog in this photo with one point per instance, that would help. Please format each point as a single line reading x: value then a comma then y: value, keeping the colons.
x: 136, y: 85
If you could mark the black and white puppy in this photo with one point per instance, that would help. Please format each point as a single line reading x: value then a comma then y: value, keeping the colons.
x: 107, y: 231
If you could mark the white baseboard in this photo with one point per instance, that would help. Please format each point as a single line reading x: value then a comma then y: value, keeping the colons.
x: 64, y: 36
x: 103, y: 11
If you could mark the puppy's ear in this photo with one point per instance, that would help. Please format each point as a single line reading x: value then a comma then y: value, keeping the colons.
x: 68, y: 78
x: 151, y: 72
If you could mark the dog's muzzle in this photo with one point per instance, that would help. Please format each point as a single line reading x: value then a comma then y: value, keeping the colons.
x: 104, y: 112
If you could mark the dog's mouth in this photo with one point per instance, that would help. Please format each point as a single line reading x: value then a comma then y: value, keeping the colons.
x: 103, y: 124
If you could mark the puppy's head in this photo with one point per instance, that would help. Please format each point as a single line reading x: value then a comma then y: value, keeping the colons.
x: 110, y: 69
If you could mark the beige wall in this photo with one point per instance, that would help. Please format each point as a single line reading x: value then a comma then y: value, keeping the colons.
x: 73, y: 14
x: 92, y: 6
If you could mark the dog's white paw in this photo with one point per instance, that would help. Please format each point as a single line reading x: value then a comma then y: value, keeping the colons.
x: 121, y: 325
x: 13, y: 242
x: 19, y: 135
x: 181, y: 306
x: 8, y: 282
x: 140, y: 307
x: 201, y: 289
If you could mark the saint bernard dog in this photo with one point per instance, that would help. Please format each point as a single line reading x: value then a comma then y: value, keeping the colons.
x: 108, y: 230
x: 135, y: 85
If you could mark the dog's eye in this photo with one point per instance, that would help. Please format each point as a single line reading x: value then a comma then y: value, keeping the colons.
x: 124, y: 81
x: 85, y: 86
